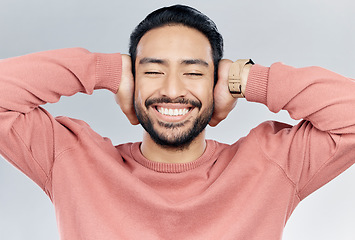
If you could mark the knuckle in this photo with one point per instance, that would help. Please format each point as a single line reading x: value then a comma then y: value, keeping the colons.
x: 220, y: 116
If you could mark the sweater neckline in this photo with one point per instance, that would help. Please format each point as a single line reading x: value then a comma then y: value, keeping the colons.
x: 172, y: 167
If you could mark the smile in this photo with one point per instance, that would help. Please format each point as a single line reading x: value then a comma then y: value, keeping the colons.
x: 173, y: 111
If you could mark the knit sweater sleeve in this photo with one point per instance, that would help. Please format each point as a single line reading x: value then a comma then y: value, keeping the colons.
x: 27, y: 131
x: 322, y: 145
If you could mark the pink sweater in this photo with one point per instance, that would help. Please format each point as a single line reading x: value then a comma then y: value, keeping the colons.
x: 246, y: 190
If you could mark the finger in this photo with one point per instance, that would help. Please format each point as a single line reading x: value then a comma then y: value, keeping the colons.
x: 132, y: 118
x: 213, y: 123
x: 215, y: 120
x: 128, y: 109
x: 223, y: 70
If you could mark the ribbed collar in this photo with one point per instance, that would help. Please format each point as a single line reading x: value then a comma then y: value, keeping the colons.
x: 173, y: 167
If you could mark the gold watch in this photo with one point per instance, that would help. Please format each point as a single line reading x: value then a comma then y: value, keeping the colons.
x: 235, y: 77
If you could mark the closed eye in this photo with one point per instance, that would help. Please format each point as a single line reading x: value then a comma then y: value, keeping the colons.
x: 194, y: 74
x: 153, y: 73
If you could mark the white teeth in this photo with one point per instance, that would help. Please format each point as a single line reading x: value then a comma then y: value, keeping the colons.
x: 173, y: 112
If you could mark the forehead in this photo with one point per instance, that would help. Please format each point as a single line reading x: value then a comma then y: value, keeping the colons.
x: 174, y: 43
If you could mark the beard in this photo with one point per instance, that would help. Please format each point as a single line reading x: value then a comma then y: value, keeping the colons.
x: 174, y: 137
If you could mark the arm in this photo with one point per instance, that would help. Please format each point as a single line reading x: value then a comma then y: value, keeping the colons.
x: 29, y: 136
x: 312, y: 93
x: 322, y: 145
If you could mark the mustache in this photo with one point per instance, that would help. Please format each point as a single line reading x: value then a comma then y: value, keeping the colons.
x: 180, y: 100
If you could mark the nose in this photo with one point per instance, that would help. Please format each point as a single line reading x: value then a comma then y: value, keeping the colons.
x: 173, y: 86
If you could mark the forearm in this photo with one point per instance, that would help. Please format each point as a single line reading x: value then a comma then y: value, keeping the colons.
x: 35, y: 79
x: 315, y: 94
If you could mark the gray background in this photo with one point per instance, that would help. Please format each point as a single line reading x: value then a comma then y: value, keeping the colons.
x: 298, y: 33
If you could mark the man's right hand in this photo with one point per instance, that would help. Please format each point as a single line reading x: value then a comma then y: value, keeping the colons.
x: 125, y: 94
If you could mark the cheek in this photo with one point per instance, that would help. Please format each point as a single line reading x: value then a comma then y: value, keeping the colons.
x: 138, y: 99
x: 210, y: 98
x: 139, y: 89
x: 138, y: 94
x: 204, y: 92
x: 144, y: 89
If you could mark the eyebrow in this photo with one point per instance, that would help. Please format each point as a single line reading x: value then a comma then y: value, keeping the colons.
x: 152, y: 60
x: 195, y: 61
x: 147, y: 60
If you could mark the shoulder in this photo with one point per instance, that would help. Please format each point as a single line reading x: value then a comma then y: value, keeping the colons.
x: 72, y: 125
x: 71, y: 132
x: 270, y: 140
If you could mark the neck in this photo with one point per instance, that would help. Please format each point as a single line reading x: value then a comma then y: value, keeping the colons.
x: 159, y: 153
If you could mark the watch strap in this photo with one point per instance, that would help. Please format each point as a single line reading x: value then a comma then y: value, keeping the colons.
x: 235, y: 77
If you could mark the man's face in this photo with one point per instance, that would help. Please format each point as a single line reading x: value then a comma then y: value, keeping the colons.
x: 174, y: 84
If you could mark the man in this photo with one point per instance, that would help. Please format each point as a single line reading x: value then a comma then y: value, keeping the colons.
x: 175, y: 184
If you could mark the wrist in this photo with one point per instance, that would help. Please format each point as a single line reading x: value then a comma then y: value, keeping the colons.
x: 108, y: 71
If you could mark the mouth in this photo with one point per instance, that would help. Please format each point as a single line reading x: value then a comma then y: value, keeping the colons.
x: 173, y: 111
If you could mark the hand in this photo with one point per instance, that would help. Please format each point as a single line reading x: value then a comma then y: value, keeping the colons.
x: 125, y: 94
x: 223, y: 100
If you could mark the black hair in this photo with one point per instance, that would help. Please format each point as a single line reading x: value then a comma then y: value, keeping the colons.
x: 186, y: 16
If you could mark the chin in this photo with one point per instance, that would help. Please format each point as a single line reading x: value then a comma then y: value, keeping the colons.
x: 180, y: 142
x: 174, y: 135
